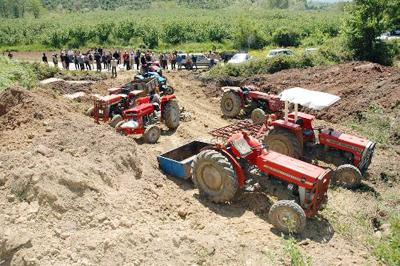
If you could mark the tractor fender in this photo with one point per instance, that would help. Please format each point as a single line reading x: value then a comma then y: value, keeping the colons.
x: 238, y: 169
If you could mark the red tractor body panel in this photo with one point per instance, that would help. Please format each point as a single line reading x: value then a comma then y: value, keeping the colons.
x: 140, y: 110
x: 143, y: 100
x: 290, y: 170
x: 274, y: 102
x: 115, y: 90
x: 111, y: 99
x: 345, y: 142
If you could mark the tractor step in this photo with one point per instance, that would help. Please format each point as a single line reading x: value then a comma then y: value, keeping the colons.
x: 256, y: 131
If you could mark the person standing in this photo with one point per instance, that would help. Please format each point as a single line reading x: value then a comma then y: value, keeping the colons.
x: 165, y: 61
x: 97, y: 58
x: 44, y: 59
x: 194, y: 60
x: 132, y: 60
x: 81, y: 60
x: 76, y: 60
x: 55, y: 60
x: 137, y: 59
x: 87, y: 62
x: 173, y: 61
x: 67, y: 61
x: 104, y: 60
x: 114, y: 64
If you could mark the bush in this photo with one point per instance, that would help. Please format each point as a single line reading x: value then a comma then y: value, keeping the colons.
x: 388, y: 249
x: 22, y: 73
x: 284, y: 37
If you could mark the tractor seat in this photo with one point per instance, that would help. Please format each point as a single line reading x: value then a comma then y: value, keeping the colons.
x: 306, y: 131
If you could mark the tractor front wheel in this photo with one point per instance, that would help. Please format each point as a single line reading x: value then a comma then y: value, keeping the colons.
x: 347, y: 176
x: 287, y: 216
x: 171, y: 114
x: 258, y: 116
x: 152, y: 134
x: 115, y: 120
x: 284, y: 142
x: 168, y: 90
x: 214, y: 176
x: 231, y: 104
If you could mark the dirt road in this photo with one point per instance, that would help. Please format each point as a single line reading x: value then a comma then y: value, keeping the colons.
x: 77, y: 193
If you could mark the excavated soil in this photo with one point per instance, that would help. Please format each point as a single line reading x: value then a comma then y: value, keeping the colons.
x: 73, y: 192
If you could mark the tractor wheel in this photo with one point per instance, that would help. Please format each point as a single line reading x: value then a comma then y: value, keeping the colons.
x: 284, y: 142
x: 231, y: 104
x: 152, y: 134
x: 214, y: 176
x: 90, y: 111
x: 287, y: 216
x: 347, y: 176
x: 122, y: 132
x: 115, y: 120
x: 168, y: 90
x: 258, y: 116
x: 171, y: 114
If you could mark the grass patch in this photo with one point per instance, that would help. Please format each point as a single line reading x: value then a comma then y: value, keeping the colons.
x: 24, y: 74
x: 293, y: 252
x: 377, y: 125
x: 387, y: 249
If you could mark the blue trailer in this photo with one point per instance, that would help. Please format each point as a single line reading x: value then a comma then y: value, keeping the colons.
x: 178, y: 162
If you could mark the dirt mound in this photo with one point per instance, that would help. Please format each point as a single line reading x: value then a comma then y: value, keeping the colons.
x: 54, y: 160
x: 359, y: 84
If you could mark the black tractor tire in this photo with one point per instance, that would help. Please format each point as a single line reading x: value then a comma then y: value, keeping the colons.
x: 168, y: 90
x: 284, y: 142
x: 171, y: 114
x: 152, y: 134
x: 115, y: 120
x: 214, y: 176
x: 90, y: 111
x: 231, y: 104
x: 347, y: 176
x: 258, y: 116
x: 287, y: 216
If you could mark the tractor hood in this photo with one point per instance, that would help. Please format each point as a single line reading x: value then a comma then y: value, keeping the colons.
x: 311, y: 99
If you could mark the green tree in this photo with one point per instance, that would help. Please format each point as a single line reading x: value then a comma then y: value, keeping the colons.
x: 367, y: 20
x: 282, y: 4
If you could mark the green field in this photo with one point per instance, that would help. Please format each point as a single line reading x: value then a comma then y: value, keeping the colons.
x: 167, y: 25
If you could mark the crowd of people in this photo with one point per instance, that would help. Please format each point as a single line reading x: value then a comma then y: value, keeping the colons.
x: 99, y: 59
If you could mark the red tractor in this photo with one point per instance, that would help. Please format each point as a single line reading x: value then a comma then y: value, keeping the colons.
x: 219, y: 171
x: 236, y: 99
x: 295, y: 136
x: 144, y: 117
x: 111, y: 107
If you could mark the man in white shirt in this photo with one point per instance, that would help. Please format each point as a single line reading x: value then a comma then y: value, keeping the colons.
x: 114, y: 64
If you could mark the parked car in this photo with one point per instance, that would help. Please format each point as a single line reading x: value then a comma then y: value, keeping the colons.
x: 278, y: 52
x: 227, y: 55
x: 393, y: 35
x: 203, y: 60
x: 239, y: 58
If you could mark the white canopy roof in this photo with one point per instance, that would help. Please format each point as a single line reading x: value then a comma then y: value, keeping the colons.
x: 311, y: 99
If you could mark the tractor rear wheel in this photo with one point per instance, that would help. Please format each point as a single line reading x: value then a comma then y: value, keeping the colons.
x: 115, y: 120
x: 284, y: 142
x: 214, y: 176
x: 171, y: 114
x: 287, y: 216
x: 231, y: 104
x: 347, y: 176
x: 90, y: 111
x: 258, y: 116
x: 152, y: 134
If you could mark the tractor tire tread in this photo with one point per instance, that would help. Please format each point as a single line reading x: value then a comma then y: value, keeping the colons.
x: 168, y: 114
x: 230, y: 181
x: 296, y: 147
x: 237, y: 104
x: 296, y: 208
x: 347, y: 167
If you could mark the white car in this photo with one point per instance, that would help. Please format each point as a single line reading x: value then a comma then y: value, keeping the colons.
x: 202, y: 60
x: 278, y: 52
x: 239, y: 58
